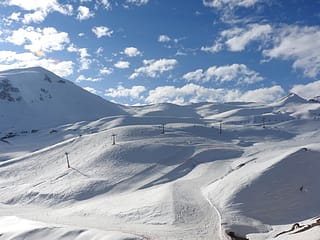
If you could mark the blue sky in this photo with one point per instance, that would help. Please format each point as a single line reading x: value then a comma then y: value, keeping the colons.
x: 149, y: 51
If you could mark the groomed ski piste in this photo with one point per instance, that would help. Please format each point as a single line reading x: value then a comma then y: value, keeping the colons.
x: 161, y: 171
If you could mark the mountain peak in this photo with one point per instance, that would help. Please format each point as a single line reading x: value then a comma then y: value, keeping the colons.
x: 37, y: 98
x: 32, y: 72
x: 291, y: 98
x: 27, y: 84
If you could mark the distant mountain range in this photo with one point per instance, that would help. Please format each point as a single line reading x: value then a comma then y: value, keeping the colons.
x: 35, y: 98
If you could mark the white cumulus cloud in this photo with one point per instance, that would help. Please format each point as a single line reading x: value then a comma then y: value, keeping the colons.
x: 152, y: 68
x: 216, y: 47
x: 11, y: 60
x: 105, y: 71
x: 299, y: 44
x: 133, y: 93
x: 238, y: 38
x: 231, y: 4
x: 89, y: 79
x: 83, y: 59
x: 132, y: 52
x: 15, y: 16
x: 36, y: 39
x: 228, y: 8
x: 238, y: 73
x: 106, y: 4
x: 164, y: 38
x: 235, y: 72
x: 138, y: 2
x: 84, y: 13
x: 122, y: 64
x: 196, y: 75
x: 192, y: 93
x: 182, y: 95
x: 40, y: 9
x: 102, y: 31
x: 36, y: 17
x: 307, y: 91
x: 264, y: 95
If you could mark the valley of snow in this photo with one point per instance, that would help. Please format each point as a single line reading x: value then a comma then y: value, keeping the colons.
x: 175, y: 172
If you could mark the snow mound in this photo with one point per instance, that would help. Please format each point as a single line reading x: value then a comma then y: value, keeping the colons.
x: 97, y: 167
x: 285, y: 193
x: 15, y: 228
x: 165, y: 110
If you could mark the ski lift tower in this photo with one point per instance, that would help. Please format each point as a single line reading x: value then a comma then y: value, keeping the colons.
x: 220, y: 127
x: 68, y: 164
x: 113, y: 136
x: 162, y: 128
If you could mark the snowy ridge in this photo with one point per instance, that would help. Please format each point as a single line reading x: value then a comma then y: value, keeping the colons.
x: 175, y: 172
x: 291, y: 98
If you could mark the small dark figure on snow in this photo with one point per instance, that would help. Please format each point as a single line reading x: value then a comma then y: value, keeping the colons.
x: 301, y: 188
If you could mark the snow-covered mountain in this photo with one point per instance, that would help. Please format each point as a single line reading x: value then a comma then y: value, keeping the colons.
x: 34, y: 98
x: 291, y: 98
x: 172, y: 172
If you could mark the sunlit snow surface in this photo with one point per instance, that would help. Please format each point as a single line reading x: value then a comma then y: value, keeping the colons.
x: 257, y: 176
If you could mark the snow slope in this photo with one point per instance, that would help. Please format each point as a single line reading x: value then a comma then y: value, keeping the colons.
x: 34, y: 98
x: 256, y: 176
x: 18, y: 229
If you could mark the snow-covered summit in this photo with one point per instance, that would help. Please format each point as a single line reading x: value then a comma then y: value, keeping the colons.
x: 22, y: 84
x: 291, y: 98
x: 37, y: 98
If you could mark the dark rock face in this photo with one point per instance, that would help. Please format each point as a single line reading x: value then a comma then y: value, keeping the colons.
x: 6, y: 90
